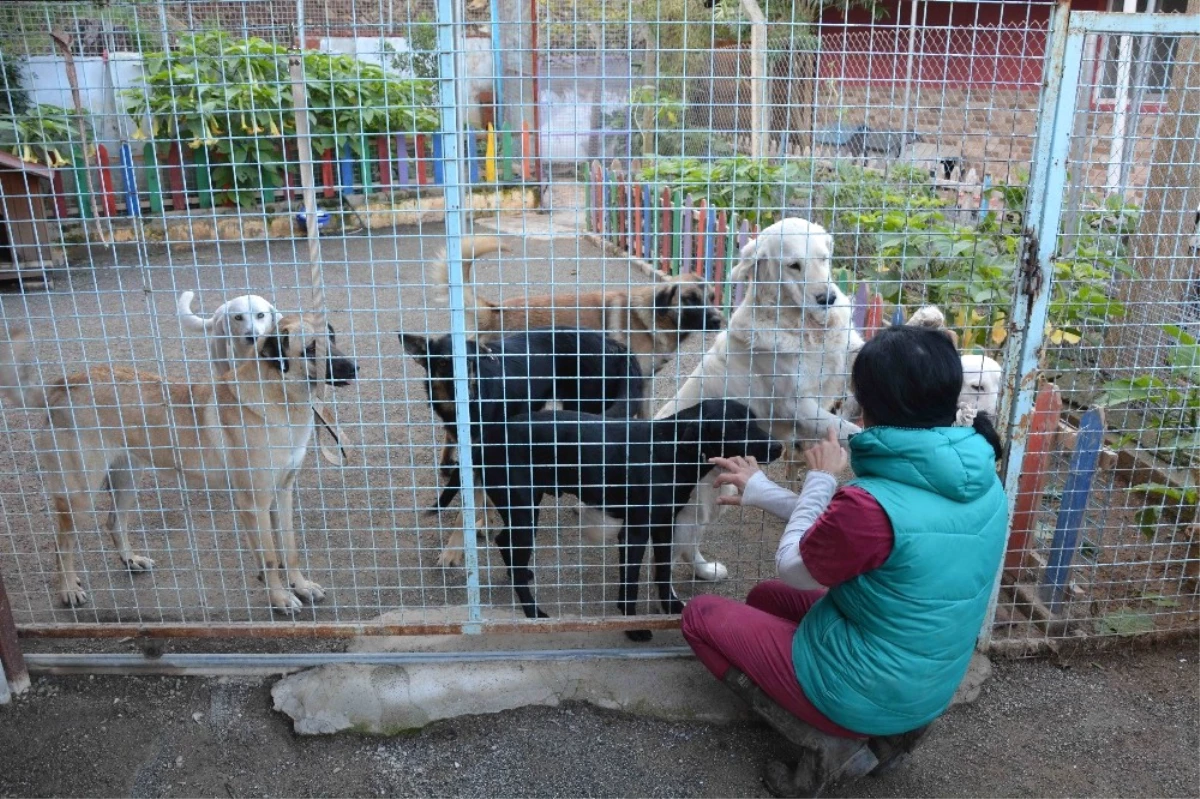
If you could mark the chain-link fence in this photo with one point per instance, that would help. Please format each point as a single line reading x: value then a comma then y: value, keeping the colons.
x: 322, y: 156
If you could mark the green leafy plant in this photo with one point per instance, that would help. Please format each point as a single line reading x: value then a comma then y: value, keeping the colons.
x: 14, y: 98
x: 232, y: 98
x: 896, y: 232
x: 1172, y: 401
x: 42, y: 135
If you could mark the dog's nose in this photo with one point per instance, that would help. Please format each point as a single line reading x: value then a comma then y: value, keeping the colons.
x: 826, y: 299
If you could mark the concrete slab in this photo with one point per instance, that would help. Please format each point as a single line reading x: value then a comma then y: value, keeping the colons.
x: 391, y: 699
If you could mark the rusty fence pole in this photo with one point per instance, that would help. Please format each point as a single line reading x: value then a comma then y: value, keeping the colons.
x: 10, y: 648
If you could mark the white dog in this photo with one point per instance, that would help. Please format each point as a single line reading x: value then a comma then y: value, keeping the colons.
x: 786, y: 353
x: 232, y: 330
x: 982, y: 375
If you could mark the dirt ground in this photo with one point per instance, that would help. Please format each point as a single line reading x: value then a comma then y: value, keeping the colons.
x: 1108, y: 725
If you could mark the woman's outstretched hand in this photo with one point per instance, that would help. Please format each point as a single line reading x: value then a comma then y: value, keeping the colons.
x: 738, y: 472
x: 827, y: 455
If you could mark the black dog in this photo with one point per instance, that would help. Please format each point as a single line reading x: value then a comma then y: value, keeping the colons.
x: 640, y: 472
x: 520, y: 374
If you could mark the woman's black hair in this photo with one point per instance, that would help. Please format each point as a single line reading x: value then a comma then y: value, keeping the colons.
x: 908, y: 376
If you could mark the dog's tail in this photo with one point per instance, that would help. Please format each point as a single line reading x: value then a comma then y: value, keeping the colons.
x: 472, y: 247
x: 18, y: 375
x: 188, y: 320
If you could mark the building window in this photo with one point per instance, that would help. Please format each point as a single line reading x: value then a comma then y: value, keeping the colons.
x: 1152, y: 56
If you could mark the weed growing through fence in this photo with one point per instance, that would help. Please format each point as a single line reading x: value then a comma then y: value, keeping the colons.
x: 231, y: 100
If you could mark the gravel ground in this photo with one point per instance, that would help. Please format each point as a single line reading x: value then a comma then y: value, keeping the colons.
x: 1109, y: 725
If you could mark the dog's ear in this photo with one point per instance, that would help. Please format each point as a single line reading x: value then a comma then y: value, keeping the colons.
x: 950, y: 334
x: 664, y: 298
x: 273, y: 349
x: 747, y: 261
x: 416, y: 346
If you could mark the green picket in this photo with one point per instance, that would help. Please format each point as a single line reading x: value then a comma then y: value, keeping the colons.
x: 153, y: 186
x: 80, y: 173
x: 203, y: 170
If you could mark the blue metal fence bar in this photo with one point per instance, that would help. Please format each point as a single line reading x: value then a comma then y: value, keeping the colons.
x: 1027, y: 325
x: 447, y: 84
x: 1083, y: 23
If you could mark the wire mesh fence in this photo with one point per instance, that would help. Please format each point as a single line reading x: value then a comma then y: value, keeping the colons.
x: 600, y: 166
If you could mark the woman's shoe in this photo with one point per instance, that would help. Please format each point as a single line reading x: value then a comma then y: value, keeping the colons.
x: 893, y: 750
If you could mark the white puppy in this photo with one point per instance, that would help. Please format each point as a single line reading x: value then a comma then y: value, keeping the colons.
x: 786, y: 353
x: 981, y: 385
x: 233, y: 328
x: 982, y: 375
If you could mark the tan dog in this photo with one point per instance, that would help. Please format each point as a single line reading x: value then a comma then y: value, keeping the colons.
x: 247, y: 432
x: 652, y: 320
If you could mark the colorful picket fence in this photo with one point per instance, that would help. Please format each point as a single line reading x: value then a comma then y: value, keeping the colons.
x: 177, y: 178
x: 677, y: 233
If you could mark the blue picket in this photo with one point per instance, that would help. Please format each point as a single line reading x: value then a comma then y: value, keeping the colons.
x: 472, y: 156
x: 346, y: 166
x: 439, y: 164
x: 1078, y: 487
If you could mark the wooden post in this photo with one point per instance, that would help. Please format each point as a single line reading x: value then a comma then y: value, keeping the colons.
x: 384, y: 154
x: 328, y: 175
x: 108, y: 194
x: 153, y: 182
x: 489, y: 156
x: 1047, y: 409
x: 175, y: 178
x: 402, y: 161
x: 1074, y: 506
x: 64, y: 44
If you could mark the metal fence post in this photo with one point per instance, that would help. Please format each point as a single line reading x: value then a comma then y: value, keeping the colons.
x: 451, y: 151
x: 1042, y: 218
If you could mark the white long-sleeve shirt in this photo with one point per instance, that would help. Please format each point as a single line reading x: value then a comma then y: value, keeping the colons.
x: 800, y: 511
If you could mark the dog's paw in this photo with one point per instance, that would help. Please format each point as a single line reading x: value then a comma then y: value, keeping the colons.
x: 137, y: 563
x: 711, y: 572
x: 450, y: 558
x: 640, y: 636
x: 285, y: 601
x: 307, y: 590
x: 70, y: 592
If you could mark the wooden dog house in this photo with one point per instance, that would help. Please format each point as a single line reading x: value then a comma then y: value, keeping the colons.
x: 25, y: 251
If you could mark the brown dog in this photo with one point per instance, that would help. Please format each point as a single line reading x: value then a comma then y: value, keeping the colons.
x: 652, y: 320
x: 248, y: 432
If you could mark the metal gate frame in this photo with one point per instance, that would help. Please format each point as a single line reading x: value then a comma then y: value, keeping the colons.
x: 1047, y: 189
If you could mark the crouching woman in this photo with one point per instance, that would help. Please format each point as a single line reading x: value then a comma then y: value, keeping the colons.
x: 883, y: 584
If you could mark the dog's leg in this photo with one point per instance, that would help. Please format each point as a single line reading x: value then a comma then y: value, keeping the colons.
x: 256, y: 526
x: 633, y: 550
x: 122, y: 485
x: 660, y: 539
x: 66, y: 507
x: 452, y: 553
x: 283, y: 521
x: 516, y: 547
x: 689, y: 531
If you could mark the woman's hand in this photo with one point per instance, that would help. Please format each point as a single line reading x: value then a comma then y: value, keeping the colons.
x: 738, y: 472
x: 827, y: 455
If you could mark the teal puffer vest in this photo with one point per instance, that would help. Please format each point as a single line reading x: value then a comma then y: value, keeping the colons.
x: 883, y: 653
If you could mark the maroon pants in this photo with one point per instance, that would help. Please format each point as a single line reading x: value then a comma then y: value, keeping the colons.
x: 756, y: 639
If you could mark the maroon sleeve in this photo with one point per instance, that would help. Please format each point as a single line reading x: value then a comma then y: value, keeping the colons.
x: 852, y: 536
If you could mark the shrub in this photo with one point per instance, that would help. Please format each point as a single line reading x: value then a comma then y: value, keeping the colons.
x: 233, y: 99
